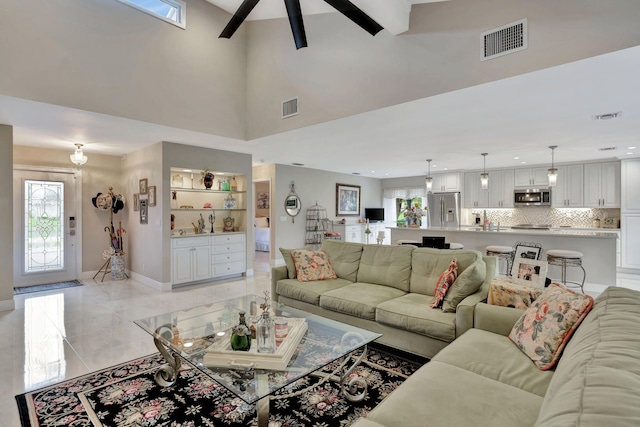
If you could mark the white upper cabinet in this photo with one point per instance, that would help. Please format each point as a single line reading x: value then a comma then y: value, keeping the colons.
x: 528, y: 177
x: 474, y: 196
x: 602, y: 185
x: 631, y: 186
x: 446, y: 182
x: 501, y: 185
x: 569, y: 190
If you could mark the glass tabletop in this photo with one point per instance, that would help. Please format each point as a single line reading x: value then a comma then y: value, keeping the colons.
x: 201, y: 336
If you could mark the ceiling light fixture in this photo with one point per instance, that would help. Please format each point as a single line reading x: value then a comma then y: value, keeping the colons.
x: 552, y: 172
x: 78, y: 158
x: 484, y: 176
x: 429, y: 179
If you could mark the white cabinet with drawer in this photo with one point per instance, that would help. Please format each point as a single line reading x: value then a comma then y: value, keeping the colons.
x: 190, y: 258
x: 228, y: 254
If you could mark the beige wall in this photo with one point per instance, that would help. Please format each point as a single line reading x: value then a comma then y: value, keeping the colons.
x: 6, y: 218
x: 98, y: 174
x: 345, y: 71
x: 107, y: 57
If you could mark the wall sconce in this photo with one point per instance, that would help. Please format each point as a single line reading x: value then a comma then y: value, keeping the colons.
x: 78, y: 158
x: 553, y: 172
x: 429, y: 179
x: 484, y: 176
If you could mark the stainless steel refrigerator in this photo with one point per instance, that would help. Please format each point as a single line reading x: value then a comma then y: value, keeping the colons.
x: 443, y: 210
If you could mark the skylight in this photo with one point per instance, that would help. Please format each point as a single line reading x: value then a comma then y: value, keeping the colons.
x: 171, y: 11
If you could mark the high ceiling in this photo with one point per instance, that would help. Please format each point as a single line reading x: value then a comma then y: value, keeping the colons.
x: 516, y: 117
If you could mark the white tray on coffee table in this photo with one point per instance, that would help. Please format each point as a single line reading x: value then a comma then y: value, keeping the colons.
x: 220, y: 354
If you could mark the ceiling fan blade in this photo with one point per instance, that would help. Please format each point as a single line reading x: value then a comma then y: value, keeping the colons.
x: 297, y: 25
x: 354, y: 13
x: 238, y: 18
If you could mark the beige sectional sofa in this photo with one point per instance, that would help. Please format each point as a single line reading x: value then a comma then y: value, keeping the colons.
x: 483, y: 379
x: 388, y: 289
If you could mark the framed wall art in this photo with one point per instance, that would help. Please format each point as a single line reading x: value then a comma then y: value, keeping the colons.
x: 143, y: 183
x: 529, y: 272
x: 152, y: 195
x: 347, y: 199
x: 527, y: 250
x: 144, y: 211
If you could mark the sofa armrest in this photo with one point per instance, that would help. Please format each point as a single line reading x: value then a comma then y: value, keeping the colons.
x: 495, y: 318
x: 277, y: 273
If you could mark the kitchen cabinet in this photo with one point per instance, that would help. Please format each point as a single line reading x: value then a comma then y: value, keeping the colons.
x: 630, y: 251
x: 191, y: 259
x: 228, y: 254
x: 446, y: 182
x: 630, y: 188
x: 474, y: 196
x: 569, y: 189
x: 527, y: 177
x: 602, y: 185
x: 501, y: 185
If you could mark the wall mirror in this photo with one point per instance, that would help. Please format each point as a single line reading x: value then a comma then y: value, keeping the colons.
x: 292, y: 204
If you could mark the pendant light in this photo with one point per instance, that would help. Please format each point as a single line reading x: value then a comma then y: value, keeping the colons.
x: 78, y: 158
x: 553, y: 172
x: 429, y: 179
x: 484, y: 176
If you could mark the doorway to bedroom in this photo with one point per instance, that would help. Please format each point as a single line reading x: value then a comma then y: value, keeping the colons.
x: 262, y: 225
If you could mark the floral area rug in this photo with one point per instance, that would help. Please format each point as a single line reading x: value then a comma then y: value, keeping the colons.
x: 127, y: 395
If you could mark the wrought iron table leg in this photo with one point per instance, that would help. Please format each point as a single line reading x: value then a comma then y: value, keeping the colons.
x: 167, y: 374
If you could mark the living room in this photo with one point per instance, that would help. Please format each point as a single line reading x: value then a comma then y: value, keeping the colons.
x: 216, y: 119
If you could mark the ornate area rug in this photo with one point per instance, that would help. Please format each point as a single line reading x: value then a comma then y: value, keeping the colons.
x: 127, y: 395
x: 45, y: 287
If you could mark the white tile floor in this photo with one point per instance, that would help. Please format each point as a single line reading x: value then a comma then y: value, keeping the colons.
x: 56, y: 335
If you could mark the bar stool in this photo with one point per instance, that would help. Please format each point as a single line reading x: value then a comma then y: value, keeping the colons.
x: 566, y: 258
x: 504, y: 252
x: 456, y: 246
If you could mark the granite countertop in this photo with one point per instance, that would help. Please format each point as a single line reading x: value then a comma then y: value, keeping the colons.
x: 176, y: 235
x: 576, y: 232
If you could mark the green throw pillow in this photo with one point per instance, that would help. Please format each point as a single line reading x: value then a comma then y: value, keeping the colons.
x: 468, y: 282
x: 288, y: 260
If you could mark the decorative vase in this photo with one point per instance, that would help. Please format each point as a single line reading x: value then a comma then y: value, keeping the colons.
x: 241, y: 335
x: 266, y: 334
x: 208, y: 180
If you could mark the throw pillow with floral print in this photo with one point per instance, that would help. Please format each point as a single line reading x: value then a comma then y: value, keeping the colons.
x: 444, y: 282
x: 546, y: 327
x: 312, y: 265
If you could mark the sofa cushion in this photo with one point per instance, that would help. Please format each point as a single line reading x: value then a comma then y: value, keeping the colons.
x: 467, y: 283
x: 428, y: 263
x: 308, y: 291
x: 444, y: 282
x: 439, y: 394
x: 496, y: 357
x: 345, y: 257
x: 291, y: 266
x: 410, y: 312
x: 545, y: 327
x: 312, y: 265
x: 597, y: 380
x: 358, y: 299
x: 387, y: 265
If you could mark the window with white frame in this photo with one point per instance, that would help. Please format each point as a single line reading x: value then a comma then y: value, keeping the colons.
x: 171, y: 11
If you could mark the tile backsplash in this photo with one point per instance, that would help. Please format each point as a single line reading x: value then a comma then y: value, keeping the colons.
x: 576, y: 218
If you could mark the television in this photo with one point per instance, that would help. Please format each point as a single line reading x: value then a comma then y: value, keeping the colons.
x: 374, y: 214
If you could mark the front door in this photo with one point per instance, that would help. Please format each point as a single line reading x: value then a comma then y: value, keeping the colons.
x: 45, y: 225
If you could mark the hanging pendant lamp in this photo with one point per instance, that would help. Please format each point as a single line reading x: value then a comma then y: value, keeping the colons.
x: 553, y: 172
x: 429, y: 179
x: 484, y: 176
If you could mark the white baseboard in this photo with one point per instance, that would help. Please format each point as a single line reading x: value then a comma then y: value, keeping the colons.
x: 7, y: 305
x: 159, y: 286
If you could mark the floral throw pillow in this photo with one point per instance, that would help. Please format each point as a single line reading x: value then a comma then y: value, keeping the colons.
x: 444, y: 282
x: 312, y: 265
x: 545, y: 328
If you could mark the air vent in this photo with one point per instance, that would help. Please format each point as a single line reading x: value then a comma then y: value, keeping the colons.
x: 501, y: 41
x: 608, y: 149
x: 290, y: 107
x: 607, y: 116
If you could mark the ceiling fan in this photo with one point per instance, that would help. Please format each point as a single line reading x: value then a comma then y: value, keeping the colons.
x: 294, y: 12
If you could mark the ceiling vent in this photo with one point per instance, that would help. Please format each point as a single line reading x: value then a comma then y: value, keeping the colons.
x: 290, y: 107
x: 501, y: 41
x: 607, y: 116
x: 608, y: 149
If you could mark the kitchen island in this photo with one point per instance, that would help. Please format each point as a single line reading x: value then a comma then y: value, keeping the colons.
x: 598, y: 247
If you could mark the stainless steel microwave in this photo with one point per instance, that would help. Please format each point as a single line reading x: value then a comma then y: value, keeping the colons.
x: 532, y: 197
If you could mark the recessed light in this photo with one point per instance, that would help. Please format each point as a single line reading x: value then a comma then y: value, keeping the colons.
x: 630, y: 152
x: 631, y: 148
x: 516, y: 158
x: 446, y: 169
x: 373, y: 171
x: 187, y: 170
x: 435, y: 166
x: 524, y: 163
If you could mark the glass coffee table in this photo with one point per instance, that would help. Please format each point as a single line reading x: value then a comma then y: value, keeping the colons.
x: 198, y: 338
